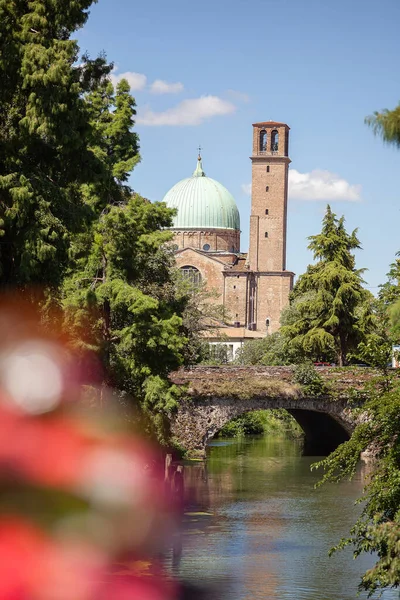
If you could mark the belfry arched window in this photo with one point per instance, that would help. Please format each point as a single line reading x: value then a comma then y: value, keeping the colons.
x: 263, y: 140
x: 274, y: 141
x: 191, y: 274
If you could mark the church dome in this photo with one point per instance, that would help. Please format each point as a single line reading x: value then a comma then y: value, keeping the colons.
x: 202, y: 203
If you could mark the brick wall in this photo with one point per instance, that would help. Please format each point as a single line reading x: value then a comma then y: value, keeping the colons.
x: 272, y: 297
x: 222, y: 240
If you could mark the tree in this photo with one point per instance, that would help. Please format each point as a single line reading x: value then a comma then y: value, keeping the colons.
x: 120, y: 300
x: 389, y: 302
x: 269, y: 351
x: 377, y: 531
x: 386, y: 124
x: 201, y: 312
x: 114, y: 142
x: 52, y: 179
x: 336, y: 317
x: 67, y: 215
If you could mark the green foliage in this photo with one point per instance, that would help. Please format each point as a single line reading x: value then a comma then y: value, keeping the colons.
x: 394, y: 315
x: 251, y: 423
x: 376, y: 351
x: 389, y: 292
x: 333, y: 312
x: 252, y: 352
x: 310, y: 380
x: 120, y: 300
x: 389, y: 302
x: 260, y: 422
x: 377, y: 531
x: 114, y: 143
x: 44, y: 128
x: 200, y: 312
x: 66, y: 143
x: 386, y: 124
x: 68, y: 220
x: 272, y: 350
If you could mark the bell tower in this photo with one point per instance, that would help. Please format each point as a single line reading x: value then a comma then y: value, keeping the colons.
x: 268, y: 220
x: 270, y: 282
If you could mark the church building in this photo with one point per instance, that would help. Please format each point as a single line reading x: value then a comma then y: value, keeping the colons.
x: 253, y: 287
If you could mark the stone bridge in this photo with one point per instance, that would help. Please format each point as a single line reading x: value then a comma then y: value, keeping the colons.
x: 217, y: 395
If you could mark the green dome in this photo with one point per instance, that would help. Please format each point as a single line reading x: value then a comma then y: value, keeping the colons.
x: 202, y: 203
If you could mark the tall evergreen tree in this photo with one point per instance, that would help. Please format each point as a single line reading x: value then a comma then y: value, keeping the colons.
x: 51, y: 178
x: 336, y: 316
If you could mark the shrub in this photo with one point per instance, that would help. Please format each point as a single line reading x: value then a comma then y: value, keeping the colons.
x: 310, y: 380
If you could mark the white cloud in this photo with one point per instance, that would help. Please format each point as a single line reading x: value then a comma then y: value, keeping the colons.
x: 321, y: 185
x: 317, y: 185
x: 137, y: 81
x: 188, y: 112
x: 163, y: 87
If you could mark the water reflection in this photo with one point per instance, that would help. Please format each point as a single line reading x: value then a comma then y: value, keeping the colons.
x: 255, y: 522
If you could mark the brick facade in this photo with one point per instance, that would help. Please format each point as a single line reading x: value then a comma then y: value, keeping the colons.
x: 218, y: 240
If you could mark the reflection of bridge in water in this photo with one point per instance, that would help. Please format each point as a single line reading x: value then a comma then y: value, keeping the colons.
x: 218, y: 395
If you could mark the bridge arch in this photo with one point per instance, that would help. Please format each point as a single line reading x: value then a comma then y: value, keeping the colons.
x: 325, y: 422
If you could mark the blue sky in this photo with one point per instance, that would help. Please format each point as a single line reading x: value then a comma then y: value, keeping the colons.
x: 203, y: 72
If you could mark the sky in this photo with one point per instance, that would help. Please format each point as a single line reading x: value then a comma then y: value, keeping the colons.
x: 202, y: 72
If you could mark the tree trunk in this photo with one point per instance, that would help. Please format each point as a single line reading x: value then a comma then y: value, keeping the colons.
x: 342, y: 350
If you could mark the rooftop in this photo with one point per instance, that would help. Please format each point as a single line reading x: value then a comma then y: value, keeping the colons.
x: 271, y: 123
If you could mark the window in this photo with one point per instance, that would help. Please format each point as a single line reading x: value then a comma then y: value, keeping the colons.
x: 267, y: 168
x: 191, y: 274
x: 267, y: 188
x: 275, y: 140
x: 206, y: 247
x: 266, y: 211
x: 263, y: 140
x: 266, y: 234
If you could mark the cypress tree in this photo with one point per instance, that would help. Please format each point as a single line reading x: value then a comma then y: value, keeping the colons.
x: 335, y: 311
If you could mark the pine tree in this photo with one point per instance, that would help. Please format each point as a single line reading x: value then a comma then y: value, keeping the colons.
x: 336, y: 317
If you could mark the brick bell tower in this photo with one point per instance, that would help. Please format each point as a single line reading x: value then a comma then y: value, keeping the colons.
x: 268, y: 225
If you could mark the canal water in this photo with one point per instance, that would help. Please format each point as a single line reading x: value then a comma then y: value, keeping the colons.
x: 255, y: 527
